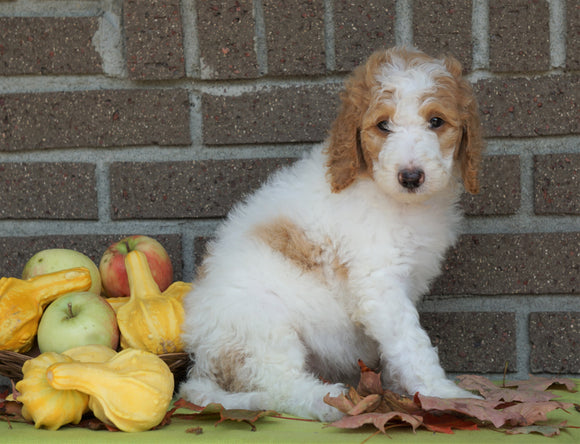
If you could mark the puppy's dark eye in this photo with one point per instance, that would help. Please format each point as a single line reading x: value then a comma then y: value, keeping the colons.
x: 383, y: 125
x: 436, y: 122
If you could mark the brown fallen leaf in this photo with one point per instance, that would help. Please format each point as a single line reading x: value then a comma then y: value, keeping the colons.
x: 546, y: 430
x: 490, y: 391
x: 538, y: 383
x: 379, y: 420
x: 11, y: 411
x: 92, y: 423
x: 194, y: 430
x: 214, y: 409
x: 480, y: 409
x: 370, y: 382
x: 520, y: 408
x: 532, y: 412
x: 445, y: 423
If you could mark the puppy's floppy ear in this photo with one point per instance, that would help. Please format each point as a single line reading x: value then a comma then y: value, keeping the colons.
x: 470, y: 149
x: 344, y: 153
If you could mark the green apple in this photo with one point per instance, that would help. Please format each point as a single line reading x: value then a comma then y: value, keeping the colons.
x: 75, y: 319
x: 57, y: 259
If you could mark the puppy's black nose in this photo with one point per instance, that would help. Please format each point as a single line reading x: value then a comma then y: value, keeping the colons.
x: 411, y: 178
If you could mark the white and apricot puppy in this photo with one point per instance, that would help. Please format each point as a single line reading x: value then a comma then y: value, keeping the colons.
x: 325, y: 263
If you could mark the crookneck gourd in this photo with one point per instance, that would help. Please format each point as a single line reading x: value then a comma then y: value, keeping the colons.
x: 150, y: 320
x: 22, y: 303
x: 131, y: 391
x: 43, y: 404
x: 91, y: 353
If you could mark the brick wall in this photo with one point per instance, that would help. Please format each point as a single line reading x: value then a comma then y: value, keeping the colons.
x: 153, y: 117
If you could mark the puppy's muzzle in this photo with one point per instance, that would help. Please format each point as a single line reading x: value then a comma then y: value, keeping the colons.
x: 411, y: 179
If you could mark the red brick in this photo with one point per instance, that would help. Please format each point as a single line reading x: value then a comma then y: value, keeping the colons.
x: 555, y: 342
x: 519, y: 35
x: 295, y: 36
x: 557, y: 184
x: 521, y: 107
x: 94, y: 119
x: 16, y: 251
x: 48, y: 45
x: 505, y: 264
x: 436, y: 28
x: 153, y: 39
x: 473, y: 341
x: 360, y: 28
x: 277, y: 115
x: 175, y: 190
x: 226, y: 33
x: 48, y: 191
x: 500, y: 192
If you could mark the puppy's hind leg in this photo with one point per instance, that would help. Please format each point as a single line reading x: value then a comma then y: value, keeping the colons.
x: 303, y: 397
x: 272, y: 376
x: 279, y: 370
x: 203, y: 391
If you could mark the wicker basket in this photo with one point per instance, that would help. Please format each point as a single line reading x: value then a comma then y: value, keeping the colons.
x: 11, y: 364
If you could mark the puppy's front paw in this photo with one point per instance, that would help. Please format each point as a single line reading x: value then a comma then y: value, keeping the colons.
x: 448, y: 389
x: 320, y: 410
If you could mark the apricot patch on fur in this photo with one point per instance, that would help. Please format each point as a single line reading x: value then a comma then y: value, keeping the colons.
x: 285, y: 237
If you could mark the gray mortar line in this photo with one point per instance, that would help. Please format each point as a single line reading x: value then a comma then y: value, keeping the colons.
x: 404, y: 23
x: 329, y: 35
x: 480, y: 34
x: 191, y: 50
x: 557, y: 33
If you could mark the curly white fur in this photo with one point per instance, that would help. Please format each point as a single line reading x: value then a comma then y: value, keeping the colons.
x: 324, y: 264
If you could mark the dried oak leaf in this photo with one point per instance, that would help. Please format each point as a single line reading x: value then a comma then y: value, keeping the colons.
x: 531, y: 412
x: 370, y: 382
x: 527, y: 391
x: 538, y: 383
x: 495, y: 412
x: 546, y: 430
x: 480, y: 409
x: 92, y: 423
x: 194, y: 430
x: 517, y: 410
x: 12, y: 411
x: 214, y: 409
x: 379, y: 420
x: 445, y: 423
x: 371, y: 409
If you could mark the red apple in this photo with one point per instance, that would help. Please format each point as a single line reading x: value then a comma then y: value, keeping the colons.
x: 75, y: 319
x: 112, y: 266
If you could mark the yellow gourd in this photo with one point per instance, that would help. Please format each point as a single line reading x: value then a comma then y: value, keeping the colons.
x: 117, y: 303
x: 22, y: 303
x: 46, y: 406
x: 132, y: 390
x: 90, y: 353
x: 177, y: 290
x: 150, y: 320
